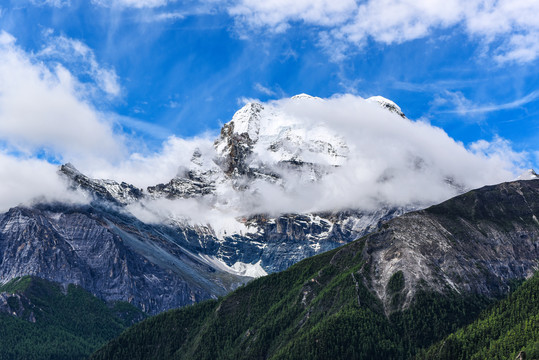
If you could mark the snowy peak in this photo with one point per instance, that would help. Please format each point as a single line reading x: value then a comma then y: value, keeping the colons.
x: 236, y: 140
x: 262, y: 142
x: 247, y: 121
x: 304, y: 97
x: 529, y: 174
x: 70, y: 171
x: 386, y: 104
x: 110, y: 190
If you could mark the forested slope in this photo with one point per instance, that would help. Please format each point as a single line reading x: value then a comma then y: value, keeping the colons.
x: 42, y: 320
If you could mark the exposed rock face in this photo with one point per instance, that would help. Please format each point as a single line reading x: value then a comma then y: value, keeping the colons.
x: 187, y: 187
x: 235, y: 144
x: 156, y: 266
x: 108, y: 190
x: 478, y: 242
x: 113, y: 256
x: 17, y: 305
x: 283, y: 241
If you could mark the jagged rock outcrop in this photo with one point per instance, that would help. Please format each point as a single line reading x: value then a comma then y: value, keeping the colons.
x: 387, y: 104
x: 114, y: 256
x: 108, y: 190
x: 235, y: 143
x: 479, y: 242
x: 17, y: 305
x: 171, y: 261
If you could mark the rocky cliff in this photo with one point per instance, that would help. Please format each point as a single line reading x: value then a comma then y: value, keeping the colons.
x: 125, y: 245
x: 479, y: 242
x: 114, y: 256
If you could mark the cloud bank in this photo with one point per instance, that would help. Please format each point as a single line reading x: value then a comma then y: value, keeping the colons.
x: 27, y: 181
x: 507, y: 28
x: 47, y: 117
x: 391, y: 161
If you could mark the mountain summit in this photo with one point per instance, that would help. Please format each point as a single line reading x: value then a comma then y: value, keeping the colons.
x: 282, y: 181
x: 388, y: 294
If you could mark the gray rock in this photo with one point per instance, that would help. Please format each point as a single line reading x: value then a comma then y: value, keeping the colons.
x: 479, y: 242
x: 114, y: 256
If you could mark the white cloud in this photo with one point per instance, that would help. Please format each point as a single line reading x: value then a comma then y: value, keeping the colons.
x: 151, y: 169
x: 264, y: 90
x: 392, y: 160
x: 139, y: 4
x: 277, y: 14
x: 461, y: 105
x: 499, y: 150
x: 508, y: 27
x: 54, y: 3
x: 83, y: 61
x: 41, y: 110
x: 176, y: 15
x: 25, y: 181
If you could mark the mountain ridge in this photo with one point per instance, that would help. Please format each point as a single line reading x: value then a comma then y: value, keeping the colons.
x: 204, y: 232
x: 329, y: 306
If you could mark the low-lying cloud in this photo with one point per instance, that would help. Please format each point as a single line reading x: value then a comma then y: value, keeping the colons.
x: 28, y: 181
x: 47, y: 118
x: 392, y: 161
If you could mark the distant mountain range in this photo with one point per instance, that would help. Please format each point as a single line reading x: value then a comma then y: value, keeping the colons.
x: 125, y: 245
x: 387, y: 295
x: 243, y: 208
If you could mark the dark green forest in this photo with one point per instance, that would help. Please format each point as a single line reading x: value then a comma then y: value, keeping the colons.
x: 54, y: 322
x: 317, y: 309
x: 501, y: 332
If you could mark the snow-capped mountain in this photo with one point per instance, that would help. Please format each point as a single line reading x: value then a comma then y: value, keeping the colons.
x: 529, y: 174
x: 244, y: 207
x: 258, y: 148
x: 261, y: 148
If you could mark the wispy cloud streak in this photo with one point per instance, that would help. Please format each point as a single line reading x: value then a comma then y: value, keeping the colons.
x: 464, y: 106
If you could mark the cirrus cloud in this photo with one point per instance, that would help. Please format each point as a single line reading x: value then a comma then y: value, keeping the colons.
x: 508, y: 28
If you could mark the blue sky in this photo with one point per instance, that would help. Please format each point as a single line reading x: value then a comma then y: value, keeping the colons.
x: 156, y: 68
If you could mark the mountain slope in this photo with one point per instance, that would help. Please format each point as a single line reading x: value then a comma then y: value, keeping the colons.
x: 478, y: 242
x: 258, y: 199
x: 501, y: 332
x: 42, y: 320
x: 110, y: 254
x: 341, y: 304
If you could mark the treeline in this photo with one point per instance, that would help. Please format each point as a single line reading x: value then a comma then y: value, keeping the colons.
x: 317, y: 309
x: 57, y: 323
x: 511, y: 326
